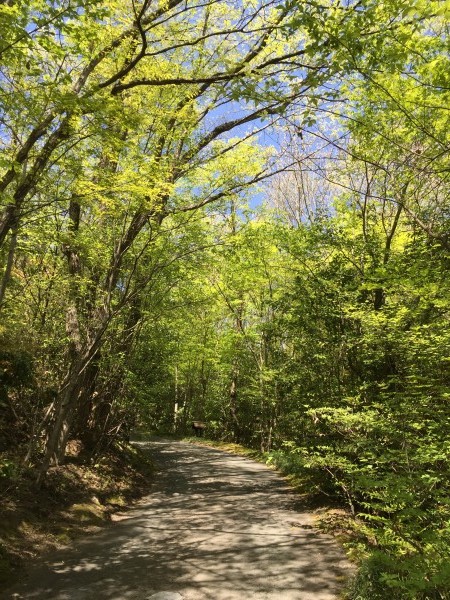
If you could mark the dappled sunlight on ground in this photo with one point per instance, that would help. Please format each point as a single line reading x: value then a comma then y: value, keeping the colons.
x: 216, y: 526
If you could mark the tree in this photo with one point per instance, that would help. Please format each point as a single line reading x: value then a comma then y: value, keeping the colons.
x: 126, y: 112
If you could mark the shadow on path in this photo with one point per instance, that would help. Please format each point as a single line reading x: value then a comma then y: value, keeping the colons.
x: 215, y: 527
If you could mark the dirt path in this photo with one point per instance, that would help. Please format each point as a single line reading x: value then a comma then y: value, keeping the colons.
x: 215, y: 527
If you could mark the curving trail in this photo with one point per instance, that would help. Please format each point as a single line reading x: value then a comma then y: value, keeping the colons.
x: 215, y: 527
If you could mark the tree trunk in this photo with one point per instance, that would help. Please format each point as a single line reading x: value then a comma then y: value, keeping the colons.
x: 62, y: 419
x: 9, y: 264
x: 235, y: 428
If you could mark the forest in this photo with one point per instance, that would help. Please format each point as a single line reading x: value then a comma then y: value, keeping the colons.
x: 236, y: 212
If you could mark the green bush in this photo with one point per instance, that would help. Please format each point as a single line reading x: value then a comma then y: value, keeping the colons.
x: 8, y: 469
x: 418, y: 577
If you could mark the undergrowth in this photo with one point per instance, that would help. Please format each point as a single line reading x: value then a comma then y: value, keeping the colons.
x: 397, y: 559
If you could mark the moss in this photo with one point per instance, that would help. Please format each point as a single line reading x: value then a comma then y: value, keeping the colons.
x: 116, y: 500
x: 88, y: 513
x: 63, y: 537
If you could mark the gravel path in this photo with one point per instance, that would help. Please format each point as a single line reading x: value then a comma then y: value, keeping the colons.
x: 215, y: 527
